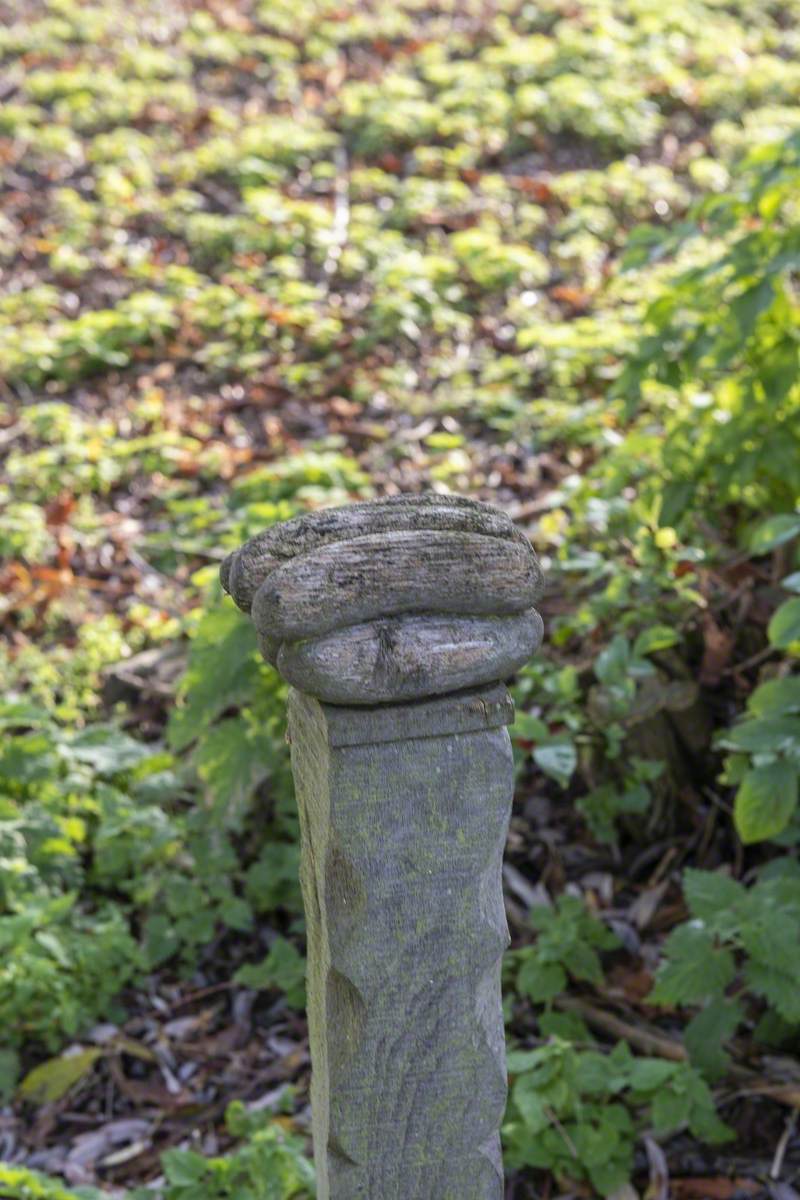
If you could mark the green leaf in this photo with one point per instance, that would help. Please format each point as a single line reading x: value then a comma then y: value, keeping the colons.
x: 184, y: 1168
x: 531, y: 1104
x: 611, y: 664
x: 283, y: 968
x: 648, y: 1074
x: 763, y: 735
x: 671, y: 1109
x: 223, y: 669
x: 748, y: 307
x: 706, y: 1032
x: 778, y: 987
x: 232, y: 759
x: 765, y: 802
x: 53, y: 1079
x: 784, y: 628
x: 583, y: 962
x: 774, y: 532
x: 540, y: 981
x: 161, y: 939
x: 568, y: 1026
x: 695, y: 969
x: 108, y: 750
x: 557, y: 758
x: 710, y: 894
x: 703, y: 1120
x: 529, y: 728
x: 792, y: 582
x: 775, y: 697
x: 657, y: 637
x: 274, y: 880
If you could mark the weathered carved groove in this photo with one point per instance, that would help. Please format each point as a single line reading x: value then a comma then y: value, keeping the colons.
x: 244, y: 571
x: 373, y: 577
x: 400, y: 658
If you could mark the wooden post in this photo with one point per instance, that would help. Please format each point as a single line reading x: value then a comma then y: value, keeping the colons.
x: 394, y: 622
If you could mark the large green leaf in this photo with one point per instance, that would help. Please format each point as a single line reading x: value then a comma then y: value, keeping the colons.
x: 764, y: 735
x: 53, y: 1079
x: 784, y: 628
x: 776, y: 697
x: 774, y: 532
x: 557, y: 758
x: 695, y: 968
x: 223, y: 669
x: 766, y: 799
x: 706, y: 1032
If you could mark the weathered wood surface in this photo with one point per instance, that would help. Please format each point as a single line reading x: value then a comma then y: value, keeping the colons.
x: 244, y: 571
x: 401, y: 658
x: 373, y: 576
x: 402, y: 845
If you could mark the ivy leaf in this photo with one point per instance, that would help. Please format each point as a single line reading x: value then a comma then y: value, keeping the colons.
x: 765, y: 802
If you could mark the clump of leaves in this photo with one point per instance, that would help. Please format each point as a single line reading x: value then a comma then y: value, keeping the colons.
x: 735, y: 933
x: 567, y: 945
x: 578, y: 1112
x: 268, y: 1164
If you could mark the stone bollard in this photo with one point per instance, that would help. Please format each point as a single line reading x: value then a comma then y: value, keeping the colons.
x: 394, y: 622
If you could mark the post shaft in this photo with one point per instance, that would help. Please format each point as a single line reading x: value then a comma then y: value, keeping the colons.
x: 403, y: 832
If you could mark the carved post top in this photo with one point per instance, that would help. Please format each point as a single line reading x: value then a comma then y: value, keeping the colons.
x: 391, y: 600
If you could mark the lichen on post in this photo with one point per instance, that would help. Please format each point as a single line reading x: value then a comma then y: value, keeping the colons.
x: 396, y: 622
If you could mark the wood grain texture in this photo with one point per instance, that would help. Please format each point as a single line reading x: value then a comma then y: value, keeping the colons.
x: 480, y: 708
x: 402, y: 844
x: 368, y: 577
x: 243, y: 572
x: 404, y: 658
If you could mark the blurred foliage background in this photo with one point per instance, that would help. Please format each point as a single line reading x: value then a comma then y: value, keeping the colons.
x: 261, y: 256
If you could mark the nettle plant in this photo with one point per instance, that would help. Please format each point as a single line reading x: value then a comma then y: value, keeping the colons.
x: 268, y: 1164
x: 739, y: 944
x: 108, y: 867
x: 578, y: 1112
x: 573, y: 1108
